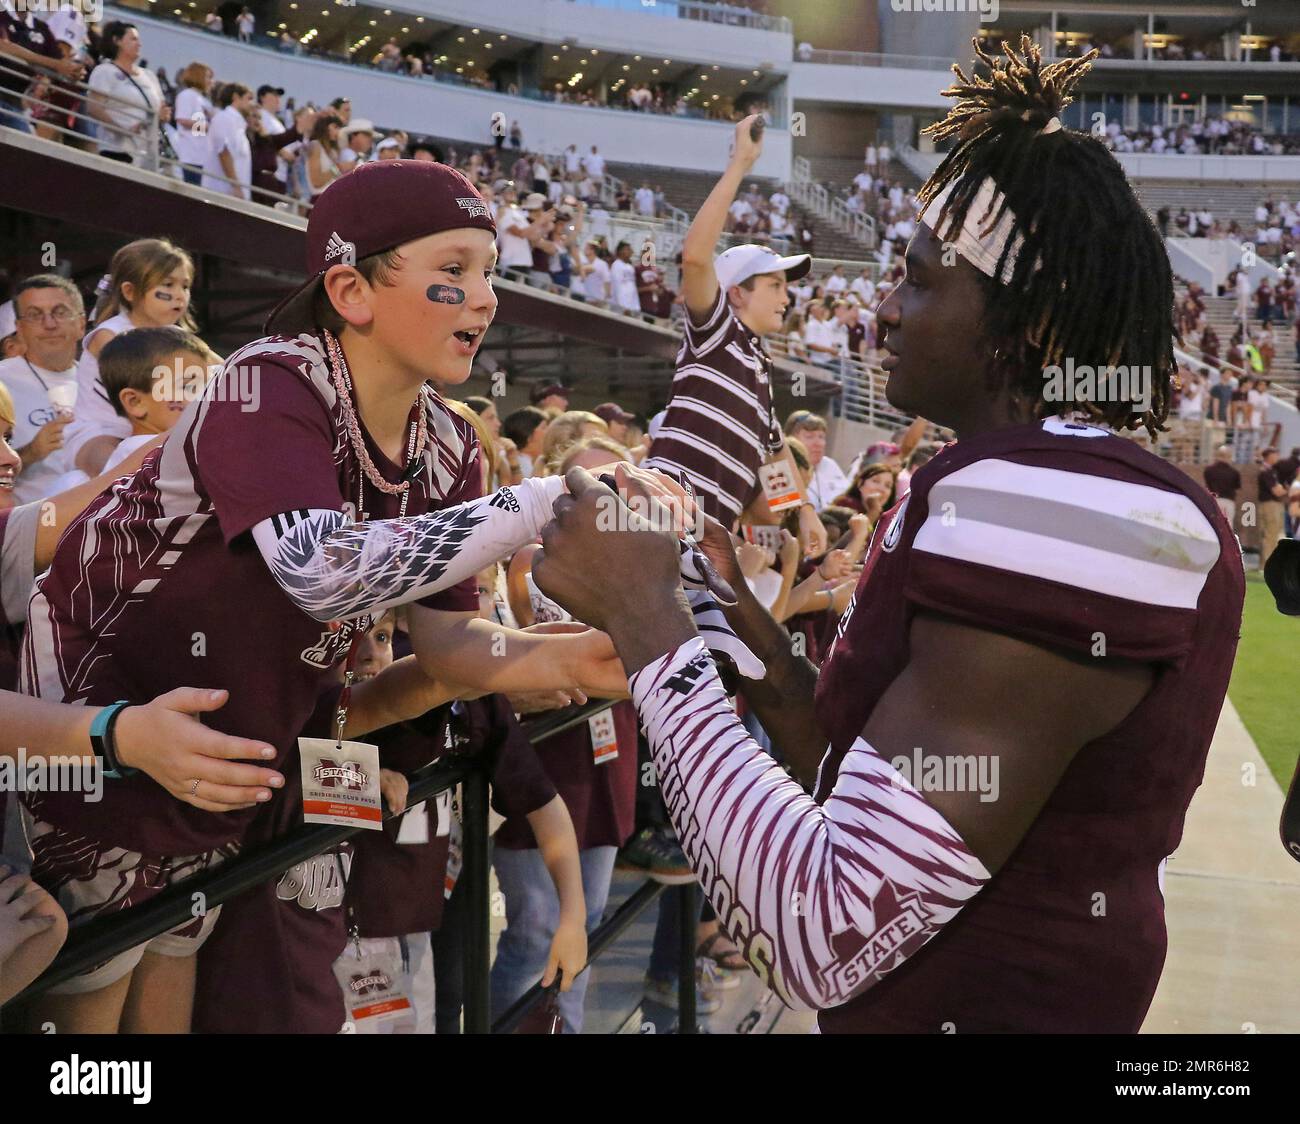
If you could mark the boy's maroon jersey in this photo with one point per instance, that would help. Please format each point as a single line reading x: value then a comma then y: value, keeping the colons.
x: 158, y: 584
x: 1067, y: 536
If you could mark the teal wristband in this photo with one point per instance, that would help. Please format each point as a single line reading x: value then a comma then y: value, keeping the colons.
x: 104, y: 744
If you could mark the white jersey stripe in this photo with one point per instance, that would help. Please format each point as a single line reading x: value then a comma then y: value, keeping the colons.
x: 1078, y: 565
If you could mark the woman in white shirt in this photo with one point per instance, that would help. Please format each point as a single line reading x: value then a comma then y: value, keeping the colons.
x: 323, y: 153
x: 125, y: 98
x: 193, y: 115
x: 1192, y: 403
x: 1256, y: 404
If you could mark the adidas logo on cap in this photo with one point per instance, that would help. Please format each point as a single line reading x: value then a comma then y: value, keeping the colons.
x: 344, y: 251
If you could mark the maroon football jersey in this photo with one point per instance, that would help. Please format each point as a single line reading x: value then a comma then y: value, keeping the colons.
x: 1058, y: 534
x: 158, y: 583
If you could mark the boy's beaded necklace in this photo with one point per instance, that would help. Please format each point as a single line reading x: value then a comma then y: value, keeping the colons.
x: 417, y: 437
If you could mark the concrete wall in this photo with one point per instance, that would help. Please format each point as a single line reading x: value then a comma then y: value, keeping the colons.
x: 882, y: 87
x: 1235, y: 169
x: 832, y: 130
x: 442, y: 109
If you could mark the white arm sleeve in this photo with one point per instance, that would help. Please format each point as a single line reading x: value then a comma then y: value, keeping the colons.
x: 822, y: 899
x: 335, y: 569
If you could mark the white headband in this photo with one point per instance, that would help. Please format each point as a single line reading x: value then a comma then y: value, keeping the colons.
x: 980, y: 241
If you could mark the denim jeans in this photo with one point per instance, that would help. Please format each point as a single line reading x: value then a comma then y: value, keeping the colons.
x: 532, y: 913
x: 14, y: 119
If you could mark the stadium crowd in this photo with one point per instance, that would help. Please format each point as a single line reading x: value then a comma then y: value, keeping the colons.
x: 367, y: 935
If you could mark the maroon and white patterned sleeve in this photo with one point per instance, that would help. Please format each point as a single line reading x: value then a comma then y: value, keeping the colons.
x: 822, y: 899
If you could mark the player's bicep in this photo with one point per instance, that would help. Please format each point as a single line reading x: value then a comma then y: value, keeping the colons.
x: 984, y: 725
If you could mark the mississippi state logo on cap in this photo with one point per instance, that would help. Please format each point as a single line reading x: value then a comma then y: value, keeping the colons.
x: 474, y: 207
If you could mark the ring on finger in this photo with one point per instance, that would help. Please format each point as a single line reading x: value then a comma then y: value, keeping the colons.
x: 194, y: 788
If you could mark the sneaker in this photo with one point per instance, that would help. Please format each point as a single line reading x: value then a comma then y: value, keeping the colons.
x: 656, y: 853
x: 664, y: 992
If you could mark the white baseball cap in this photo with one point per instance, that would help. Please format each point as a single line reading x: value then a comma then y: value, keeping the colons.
x: 740, y: 263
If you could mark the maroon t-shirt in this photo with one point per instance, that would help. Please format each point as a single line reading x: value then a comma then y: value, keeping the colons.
x: 158, y: 584
x: 601, y: 798
x: 23, y: 31
x: 267, y: 967
x: 397, y: 888
x: 1052, y: 533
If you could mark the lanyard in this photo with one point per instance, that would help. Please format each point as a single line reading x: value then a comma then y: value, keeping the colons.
x: 36, y: 374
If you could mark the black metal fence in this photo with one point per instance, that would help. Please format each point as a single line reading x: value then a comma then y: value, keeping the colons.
x: 103, y: 938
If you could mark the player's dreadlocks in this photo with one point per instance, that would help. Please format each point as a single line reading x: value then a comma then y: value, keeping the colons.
x: 1091, y: 279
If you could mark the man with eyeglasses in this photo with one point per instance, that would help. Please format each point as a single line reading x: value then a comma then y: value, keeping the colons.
x: 50, y: 319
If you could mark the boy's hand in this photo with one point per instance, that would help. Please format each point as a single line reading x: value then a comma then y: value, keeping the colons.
x: 745, y: 151
x: 568, y: 954
x: 814, y: 531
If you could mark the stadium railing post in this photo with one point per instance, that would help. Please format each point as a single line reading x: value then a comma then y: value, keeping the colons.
x: 690, y: 914
x: 477, y: 960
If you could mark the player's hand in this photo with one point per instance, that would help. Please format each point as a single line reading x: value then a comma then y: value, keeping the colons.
x: 568, y: 954
x: 164, y: 739
x: 745, y: 151
x: 608, y: 566
x: 394, y: 788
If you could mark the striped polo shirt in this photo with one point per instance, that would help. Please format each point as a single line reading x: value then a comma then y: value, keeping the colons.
x: 720, y: 422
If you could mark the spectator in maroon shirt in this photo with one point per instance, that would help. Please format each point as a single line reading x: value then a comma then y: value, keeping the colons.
x: 26, y: 43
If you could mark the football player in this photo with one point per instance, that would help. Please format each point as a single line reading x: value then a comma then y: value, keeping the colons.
x: 1018, y: 704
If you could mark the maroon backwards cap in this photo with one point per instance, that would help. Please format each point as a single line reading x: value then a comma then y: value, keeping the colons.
x: 372, y: 209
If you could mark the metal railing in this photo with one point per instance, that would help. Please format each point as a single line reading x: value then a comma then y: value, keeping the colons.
x: 832, y: 208
x: 105, y: 937
x: 143, y: 144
